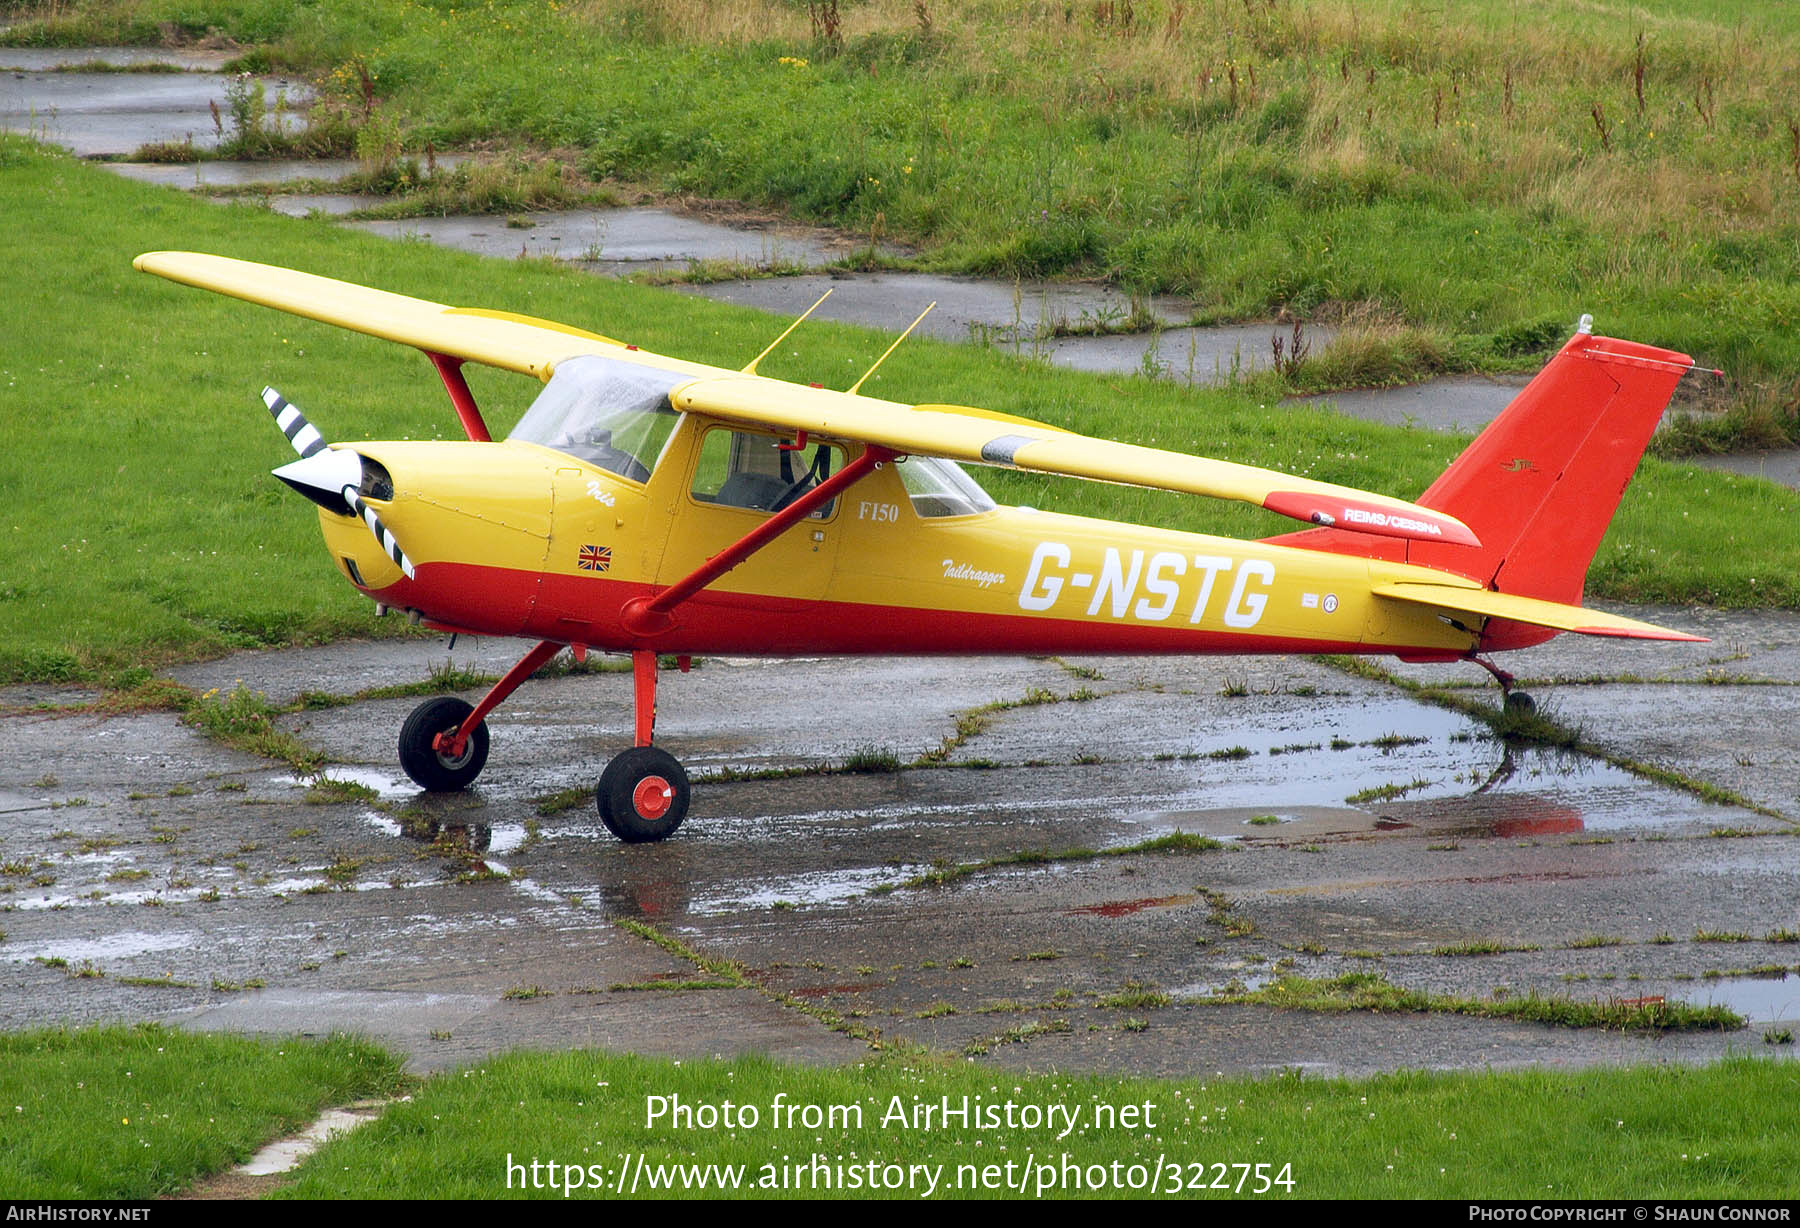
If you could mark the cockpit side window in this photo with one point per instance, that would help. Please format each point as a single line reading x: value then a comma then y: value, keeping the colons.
x: 611, y: 414
x: 941, y: 488
x: 743, y: 469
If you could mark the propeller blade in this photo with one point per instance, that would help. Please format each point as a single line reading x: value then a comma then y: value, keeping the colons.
x: 388, y: 541
x: 301, y: 433
x: 330, y: 477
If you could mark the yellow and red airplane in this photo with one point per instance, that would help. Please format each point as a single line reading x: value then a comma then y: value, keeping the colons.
x: 648, y: 505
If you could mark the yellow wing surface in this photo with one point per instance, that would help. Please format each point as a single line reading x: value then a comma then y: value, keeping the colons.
x: 1486, y: 603
x: 534, y: 347
x: 494, y: 338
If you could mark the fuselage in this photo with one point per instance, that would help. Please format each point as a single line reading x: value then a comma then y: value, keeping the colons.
x: 518, y: 539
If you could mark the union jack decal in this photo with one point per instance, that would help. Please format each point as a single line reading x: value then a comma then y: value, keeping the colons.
x: 595, y: 558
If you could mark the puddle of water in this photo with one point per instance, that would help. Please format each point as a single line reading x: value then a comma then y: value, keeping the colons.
x: 1124, y: 908
x: 825, y: 887
x: 537, y: 891
x: 111, y: 947
x: 507, y: 838
x: 386, y: 787
x: 1757, y: 999
x: 1413, y: 766
x: 381, y: 823
x: 1214, y: 989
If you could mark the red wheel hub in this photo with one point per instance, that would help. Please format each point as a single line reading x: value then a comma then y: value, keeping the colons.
x: 652, y: 797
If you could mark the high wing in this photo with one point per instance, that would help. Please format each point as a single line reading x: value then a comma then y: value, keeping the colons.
x: 494, y: 338
x: 963, y: 434
x: 1485, y: 603
x: 534, y: 347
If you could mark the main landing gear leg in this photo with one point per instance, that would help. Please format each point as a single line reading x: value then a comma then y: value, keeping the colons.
x: 1517, y: 703
x: 444, y: 743
x: 643, y: 793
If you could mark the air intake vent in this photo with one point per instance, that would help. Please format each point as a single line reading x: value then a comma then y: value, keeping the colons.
x: 376, y: 481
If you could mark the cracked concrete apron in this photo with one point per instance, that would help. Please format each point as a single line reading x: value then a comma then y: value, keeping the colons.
x: 150, y: 873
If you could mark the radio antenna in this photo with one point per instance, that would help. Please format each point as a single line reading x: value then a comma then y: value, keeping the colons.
x: 897, y: 340
x: 750, y: 367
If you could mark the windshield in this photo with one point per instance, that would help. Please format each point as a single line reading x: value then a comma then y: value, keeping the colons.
x: 940, y: 488
x: 613, y: 415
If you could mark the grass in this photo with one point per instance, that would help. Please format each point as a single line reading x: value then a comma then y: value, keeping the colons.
x: 1369, y: 991
x: 1660, y: 1132
x: 145, y: 1111
x: 1453, y: 188
x: 944, y: 873
x: 197, y: 553
x: 134, y: 1113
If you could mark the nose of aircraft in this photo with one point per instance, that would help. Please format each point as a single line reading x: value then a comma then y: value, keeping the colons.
x: 323, y: 476
x: 330, y: 477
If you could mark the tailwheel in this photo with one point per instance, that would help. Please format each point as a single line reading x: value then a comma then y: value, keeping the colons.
x: 643, y: 795
x: 1518, y: 703
x: 428, y: 749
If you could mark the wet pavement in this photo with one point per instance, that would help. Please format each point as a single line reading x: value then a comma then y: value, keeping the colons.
x: 151, y: 873
x: 98, y: 114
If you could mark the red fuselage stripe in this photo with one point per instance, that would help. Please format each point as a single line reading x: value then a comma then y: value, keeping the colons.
x: 585, y: 610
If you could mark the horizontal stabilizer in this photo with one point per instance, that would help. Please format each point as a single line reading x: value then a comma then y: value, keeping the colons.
x: 1488, y: 604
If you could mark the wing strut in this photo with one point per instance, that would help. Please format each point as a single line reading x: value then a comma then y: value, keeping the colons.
x: 450, y: 369
x: 650, y: 615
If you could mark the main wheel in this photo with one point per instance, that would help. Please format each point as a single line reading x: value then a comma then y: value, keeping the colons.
x: 429, y: 768
x: 643, y: 795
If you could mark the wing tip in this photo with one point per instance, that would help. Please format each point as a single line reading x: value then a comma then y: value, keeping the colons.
x: 1405, y: 521
x: 1635, y: 633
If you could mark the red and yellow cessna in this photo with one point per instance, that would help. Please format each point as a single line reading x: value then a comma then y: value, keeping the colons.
x: 649, y: 505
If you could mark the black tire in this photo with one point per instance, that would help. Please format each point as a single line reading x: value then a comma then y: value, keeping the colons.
x: 1518, y: 703
x: 643, y: 795
x: 429, y: 769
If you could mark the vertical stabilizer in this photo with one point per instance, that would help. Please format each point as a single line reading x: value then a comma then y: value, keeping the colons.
x: 1541, y: 483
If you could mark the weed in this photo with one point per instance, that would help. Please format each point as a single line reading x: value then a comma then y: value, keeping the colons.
x: 871, y: 759
x: 1134, y: 995
x: 1387, y: 792
x: 1484, y: 947
x: 244, y: 719
x: 328, y: 790
x: 1370, y: 991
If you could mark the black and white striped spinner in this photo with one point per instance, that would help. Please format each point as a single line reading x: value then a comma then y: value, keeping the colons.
x: 388, y: 542
x: 301, y: 433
